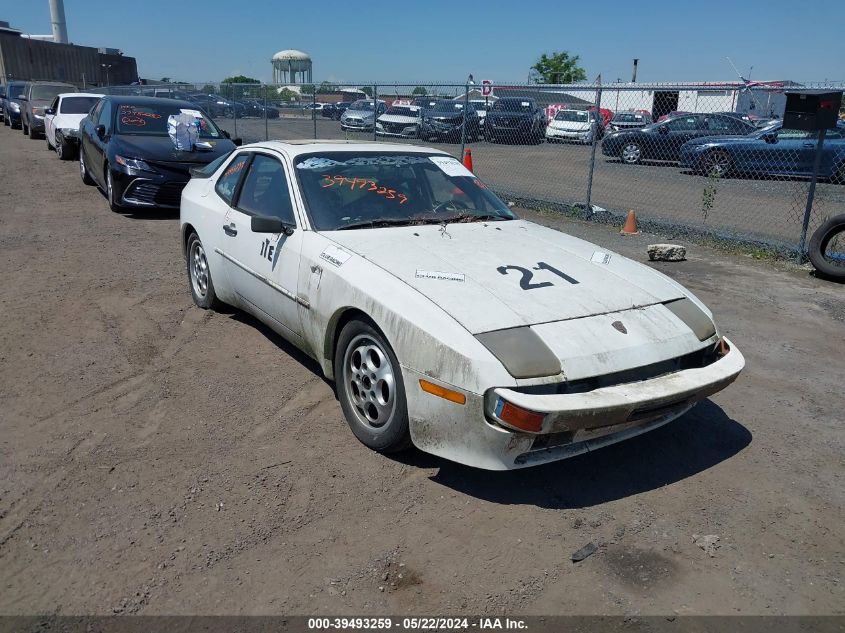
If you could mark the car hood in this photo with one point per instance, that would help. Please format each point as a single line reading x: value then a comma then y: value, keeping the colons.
x: 397, y: 118
x: 160, y: 148
x: 469, y: 270
x: 575, y: 126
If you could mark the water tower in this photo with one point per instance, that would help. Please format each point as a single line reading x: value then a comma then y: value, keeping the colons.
x: 291, y: 67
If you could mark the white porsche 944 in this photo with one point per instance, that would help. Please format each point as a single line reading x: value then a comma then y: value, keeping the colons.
x: 444, y: 320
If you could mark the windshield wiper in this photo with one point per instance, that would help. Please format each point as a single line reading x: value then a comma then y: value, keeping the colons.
x: 374, y: 224
x: 474, y: 217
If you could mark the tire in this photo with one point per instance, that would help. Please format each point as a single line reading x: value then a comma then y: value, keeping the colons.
x: 83, y: 171
x: 63, y: 150
x: 114, y: 206
x: 32, y: 133
x: 369, y: 386
x: 24, y: 127
x: 631, y: 153
x: 50, y: 148
x: 200, y: 282
x: 13, y: 126
x: 717, y: 163
x: 830, y: 231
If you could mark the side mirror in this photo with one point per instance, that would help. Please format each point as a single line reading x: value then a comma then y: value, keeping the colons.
x: 663, y: 129
x: 238, y: 141
x: 101, y: 131
x: 270, y: 224
x: 225, y: 134
x: 49, y: 111
x: 21, y: 97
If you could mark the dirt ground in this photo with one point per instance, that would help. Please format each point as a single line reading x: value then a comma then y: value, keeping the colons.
x: 159, y: 459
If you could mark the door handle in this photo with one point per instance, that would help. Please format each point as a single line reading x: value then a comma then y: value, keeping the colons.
x: 809, y: 144
x: 230, y: 230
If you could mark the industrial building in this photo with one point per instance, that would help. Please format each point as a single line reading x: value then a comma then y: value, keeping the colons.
x: 52, y: 58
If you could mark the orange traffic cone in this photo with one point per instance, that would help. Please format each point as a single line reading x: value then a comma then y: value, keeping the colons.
x: 630, y: 227
x: 468, y: 159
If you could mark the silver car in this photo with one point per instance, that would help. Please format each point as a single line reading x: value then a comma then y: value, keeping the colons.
x: 359, y: 116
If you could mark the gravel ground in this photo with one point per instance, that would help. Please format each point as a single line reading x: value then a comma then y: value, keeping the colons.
x: 159, y: 459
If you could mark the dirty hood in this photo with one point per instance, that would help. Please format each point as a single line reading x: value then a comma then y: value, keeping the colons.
x: 496, y: 275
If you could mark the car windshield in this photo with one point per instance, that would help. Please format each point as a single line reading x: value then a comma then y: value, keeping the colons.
x: 448, y: 106
x: 629, y: 117
x: 48, y: 92
x: 77, y: 105
x: 573, y: 115
x: 15, y: 89
x: 362, y: 105
x: 345, y: 190
x: 402, y: 111
x: 512, y: 105
x: 151, y: 119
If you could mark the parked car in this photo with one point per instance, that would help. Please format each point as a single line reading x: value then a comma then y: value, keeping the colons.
x: 446, y: 120
x: 215, y: 105
x: 335, y: 110
x: 62, y: 119
x: 574, y: 125
x: 359, y: 116
x: 773, y: 151
x: 37, y: 98
x: 629, y: 120
x: 663, y: 140
x: 256, y: 108
x: 672, y: 115
x: 507, y: 345
x: 424, y: 103
x: 401, y: 121
x: 515, y: 119
x: 12, y: 104
x: 126, y: 151
x: 2, y: 102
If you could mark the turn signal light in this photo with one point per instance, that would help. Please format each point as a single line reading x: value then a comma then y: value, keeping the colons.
x: 447, y: 394
x: 518, y: 417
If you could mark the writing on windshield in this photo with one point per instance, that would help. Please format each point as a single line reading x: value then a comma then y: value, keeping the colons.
x: 364, y: 183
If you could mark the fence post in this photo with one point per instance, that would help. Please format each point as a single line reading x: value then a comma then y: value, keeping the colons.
x: 266, y: 130
x: 314, y: 108
x: 464, y: 127
x: 588, y: 209
x: 811, y: 194
x: 375, y: 110
x: 234, y: 110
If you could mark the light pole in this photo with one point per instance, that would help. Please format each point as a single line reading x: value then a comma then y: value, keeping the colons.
x: 107, y: 67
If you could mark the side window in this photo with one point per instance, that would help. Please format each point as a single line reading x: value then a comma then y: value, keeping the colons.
x: 95, y: 113
x: 683, y: 124
x: 105, y: 116
x: 720, y: 124
x: 55, y: 105
x: 785, y: 134
x: 265, y: 190
x: 228, y: 182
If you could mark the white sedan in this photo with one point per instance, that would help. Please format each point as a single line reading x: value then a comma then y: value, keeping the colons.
x: 444, y: 320
x: 62, y: 119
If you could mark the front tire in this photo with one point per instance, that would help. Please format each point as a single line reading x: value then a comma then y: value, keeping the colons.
x: 83, y: 171
x: 717, y: 163
x: 827, y: 248
x: 369, y: 386
x: 113, y: 205
x: 199, y: 276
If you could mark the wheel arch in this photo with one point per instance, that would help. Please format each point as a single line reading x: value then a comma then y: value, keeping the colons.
x: 335, y: 326
x: 187, y: 230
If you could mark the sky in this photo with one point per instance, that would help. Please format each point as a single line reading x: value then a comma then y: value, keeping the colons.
x: 361, y: 41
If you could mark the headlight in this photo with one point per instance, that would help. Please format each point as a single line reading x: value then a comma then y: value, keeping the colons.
x: 38, y: 111
x: 221, y: 103
x: 15, y: 106
x: 70, y: 132
x: 521, y: 351
x: 132, y: 163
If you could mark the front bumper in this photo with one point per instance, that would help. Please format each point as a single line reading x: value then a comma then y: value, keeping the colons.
x: 569, y: 135
x: 574, y: 424
x: 36, y: 123
x: 356, y: 125
x: 147, y: 191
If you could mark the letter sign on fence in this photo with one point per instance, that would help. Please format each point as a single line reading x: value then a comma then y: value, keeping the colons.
x: 486, y: 87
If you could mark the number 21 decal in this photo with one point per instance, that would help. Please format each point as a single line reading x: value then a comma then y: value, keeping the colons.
x: 527, y: 275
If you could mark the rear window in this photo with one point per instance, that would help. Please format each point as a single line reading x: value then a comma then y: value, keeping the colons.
x: 513, y: 105
x: 402, y: 111
x: 629, y: 117
x: 77, y: 105
x: 573, y: 115
x: 48, y: 92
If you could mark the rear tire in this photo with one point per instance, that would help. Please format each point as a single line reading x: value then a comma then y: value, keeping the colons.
x: 199, y: 276
x: 32, y: 133
x: 369, y: 385
x: 114, y: 206
x: 833, y: 229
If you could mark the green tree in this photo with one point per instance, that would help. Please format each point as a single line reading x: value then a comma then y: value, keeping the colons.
x: 326, y: 88
x: 287, y: 95
x: 558, y: 68
x: 308, y: 89
x: 367, y: 90
x: 241, y: 79
x: 419, y: 90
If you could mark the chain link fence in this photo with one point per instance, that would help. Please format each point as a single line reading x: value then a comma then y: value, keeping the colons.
x: 696, y: 161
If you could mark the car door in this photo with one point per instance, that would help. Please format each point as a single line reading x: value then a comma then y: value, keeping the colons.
x: 96, y: 156
x: 49, y: 121
x: 677, y: 132
x: 87, y: 133
x: 262, y: 268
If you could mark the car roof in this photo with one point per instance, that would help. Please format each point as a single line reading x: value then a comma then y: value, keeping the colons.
x: 80, y: 94
x: 51, y: 83
x: 298, y: 147
x: 135, y: 100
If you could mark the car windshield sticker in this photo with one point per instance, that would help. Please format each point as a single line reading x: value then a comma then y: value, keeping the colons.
x: 525, y: 104
x: 451, y: 166
x: 320, y: 162
x: 363, y: 183
x: 600, y: 258
x: 433, y: 274
x: 334, y: 255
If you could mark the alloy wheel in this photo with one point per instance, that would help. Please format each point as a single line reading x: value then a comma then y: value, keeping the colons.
x: 369, y: 381
x: 199, y: 270
x: 631, y: 153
